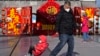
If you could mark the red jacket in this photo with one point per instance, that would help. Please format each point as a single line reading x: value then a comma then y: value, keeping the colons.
x: 41, y: 46
x: 85, y: 27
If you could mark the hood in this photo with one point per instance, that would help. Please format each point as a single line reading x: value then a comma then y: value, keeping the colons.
x: 43, y: 38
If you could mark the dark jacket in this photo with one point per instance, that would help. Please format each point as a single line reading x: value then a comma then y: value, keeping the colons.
x: 65, y: 22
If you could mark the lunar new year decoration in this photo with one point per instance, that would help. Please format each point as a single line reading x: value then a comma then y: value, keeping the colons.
x: 14, y: 19
x: 46, y: 16
x: 78, y: 11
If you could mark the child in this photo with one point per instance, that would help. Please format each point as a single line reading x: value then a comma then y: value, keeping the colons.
x: 39, y: 48
x: 85, y: 28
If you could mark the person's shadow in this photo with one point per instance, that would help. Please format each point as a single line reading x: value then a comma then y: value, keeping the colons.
x: 74, y: 54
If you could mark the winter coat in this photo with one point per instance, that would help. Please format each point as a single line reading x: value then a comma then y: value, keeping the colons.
x: 85, y: 27
x: 65, y: 22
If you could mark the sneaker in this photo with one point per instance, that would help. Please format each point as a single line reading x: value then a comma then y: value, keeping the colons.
x: 90, y: 39
x: 28, y: 55
x: 84, y: 41
x: 51, y: 55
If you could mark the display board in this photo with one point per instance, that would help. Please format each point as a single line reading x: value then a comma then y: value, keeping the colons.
x: 16, y: 21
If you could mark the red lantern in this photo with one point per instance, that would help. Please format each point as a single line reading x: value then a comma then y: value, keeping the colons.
x: 50, y: 7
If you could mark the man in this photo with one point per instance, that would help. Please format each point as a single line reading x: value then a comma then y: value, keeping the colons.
x: 65, y: 24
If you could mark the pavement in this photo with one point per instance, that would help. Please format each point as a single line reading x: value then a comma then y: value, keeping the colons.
x: 81, y: 49
x: 19, y: 46
x: 6, y: 45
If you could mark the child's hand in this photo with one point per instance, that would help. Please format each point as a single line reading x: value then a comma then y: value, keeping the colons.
x: 55, y: 35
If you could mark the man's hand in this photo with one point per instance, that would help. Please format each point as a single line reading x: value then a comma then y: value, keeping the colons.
x: 57, y: 33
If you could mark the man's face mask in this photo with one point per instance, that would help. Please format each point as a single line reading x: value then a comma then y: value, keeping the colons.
x: 67, y: 9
